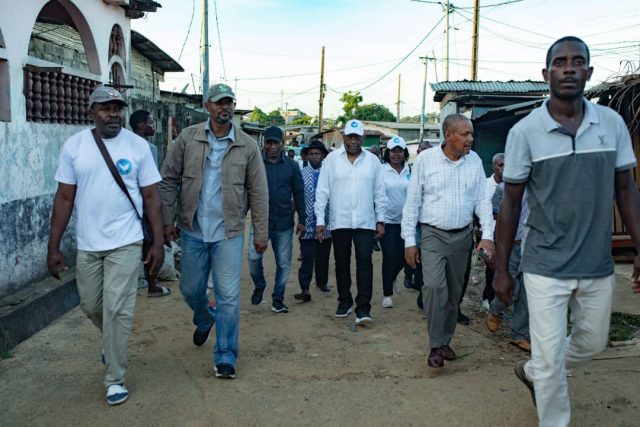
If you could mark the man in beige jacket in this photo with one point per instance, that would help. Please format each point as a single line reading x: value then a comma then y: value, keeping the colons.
x: 212, y: 175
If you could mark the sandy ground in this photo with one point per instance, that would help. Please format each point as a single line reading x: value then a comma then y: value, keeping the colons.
x: 301, y: 368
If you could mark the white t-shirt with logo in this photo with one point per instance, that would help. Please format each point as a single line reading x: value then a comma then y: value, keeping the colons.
x: 105, y: 218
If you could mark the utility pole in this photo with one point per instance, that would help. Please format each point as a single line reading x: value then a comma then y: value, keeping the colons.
x: 398, y: 103
x: 446, y: 30
x: 204, y: 58
x: 474, y: 44
x: 321, y: 101
x: 424, y: 97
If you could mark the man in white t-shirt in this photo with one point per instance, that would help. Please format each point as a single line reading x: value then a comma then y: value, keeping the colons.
x: 108, y: 229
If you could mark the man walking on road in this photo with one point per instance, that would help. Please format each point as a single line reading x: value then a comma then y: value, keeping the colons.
x: 212, y: 175
x: 314, y: 253
x: 351, y: 183
x: 285, y: 182
x: 573, y: 157
x: 108, y: 230
x: 447, y: 186
x: 141, y: 123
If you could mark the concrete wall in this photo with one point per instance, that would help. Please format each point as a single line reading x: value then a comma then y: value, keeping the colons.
x: 29, y: 151
x: 144, y: 80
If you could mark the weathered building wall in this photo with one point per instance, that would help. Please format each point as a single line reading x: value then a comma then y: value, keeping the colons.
x: 29, y: 151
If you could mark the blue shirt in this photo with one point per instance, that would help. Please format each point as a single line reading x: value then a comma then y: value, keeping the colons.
x: 208, y: 223
x: 310, y: 179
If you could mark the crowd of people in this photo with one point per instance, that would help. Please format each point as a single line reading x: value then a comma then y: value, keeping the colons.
x: 551, y: 247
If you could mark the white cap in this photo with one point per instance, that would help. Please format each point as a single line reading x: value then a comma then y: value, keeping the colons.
x: 396, y: 141
x: 354, y: 126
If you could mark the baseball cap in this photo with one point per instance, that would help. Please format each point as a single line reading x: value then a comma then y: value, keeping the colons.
x: 103, y: 94
x: 273, y: 133
x: 354, y: 126
x: 219, y: 91
x: 396, y: 141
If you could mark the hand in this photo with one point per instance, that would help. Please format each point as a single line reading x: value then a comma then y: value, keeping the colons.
x: 379, y: 230
x: 299, y: 230
x: 635, y: 277
x: 412, y: 256
x: 320, y: 233
x: 154, y: 259
x: 170, y: 233
x: 260, y: 246
x: 489, y: 247
x: 503, y: 285
x: 55, y: 263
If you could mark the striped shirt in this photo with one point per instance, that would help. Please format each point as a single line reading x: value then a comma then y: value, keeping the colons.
x: 445, y: 194
x: 310, y: 179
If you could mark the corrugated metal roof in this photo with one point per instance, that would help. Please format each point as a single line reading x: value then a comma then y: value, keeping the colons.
x: 153, y: 53
x: 487, y: 87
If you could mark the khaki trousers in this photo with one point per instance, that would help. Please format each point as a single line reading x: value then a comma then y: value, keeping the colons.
x: 444, y: 260
x: 107, y: 283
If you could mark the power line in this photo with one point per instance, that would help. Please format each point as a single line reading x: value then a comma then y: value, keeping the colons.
x: 193, y: 10
x: 403, y: 59
x: 215, y: 10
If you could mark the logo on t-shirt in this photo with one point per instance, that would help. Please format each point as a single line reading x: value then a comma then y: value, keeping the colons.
x: 123, y: 166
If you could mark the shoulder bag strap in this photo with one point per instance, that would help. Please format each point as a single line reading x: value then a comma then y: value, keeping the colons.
x: 112, y: 168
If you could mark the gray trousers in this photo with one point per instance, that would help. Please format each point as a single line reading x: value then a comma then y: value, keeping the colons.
x: 444, y: 260
x: 520, y: 321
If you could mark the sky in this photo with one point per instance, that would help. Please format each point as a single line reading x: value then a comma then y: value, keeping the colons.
x: 269, y: 51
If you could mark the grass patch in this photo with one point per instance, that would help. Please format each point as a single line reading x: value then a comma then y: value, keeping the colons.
x: 624, y: 327
x: 5, y: 355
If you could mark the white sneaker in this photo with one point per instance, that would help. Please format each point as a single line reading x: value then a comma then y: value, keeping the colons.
x: 387, y: 302
x: 485, y: 304
x: 117, y: 394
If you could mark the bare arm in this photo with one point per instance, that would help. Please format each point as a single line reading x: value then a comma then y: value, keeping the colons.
x: 505, y: 234
x: 628, y: 201
x: 153, y: 210
x: 60, y: 215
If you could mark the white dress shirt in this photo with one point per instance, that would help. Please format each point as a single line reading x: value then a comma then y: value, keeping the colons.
x: 354, y: 191
x: 445, y: 194
x: 395, y: 186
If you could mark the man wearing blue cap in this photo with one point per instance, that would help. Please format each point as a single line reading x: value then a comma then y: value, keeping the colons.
x: 108, y: 230
x: 211, y: 176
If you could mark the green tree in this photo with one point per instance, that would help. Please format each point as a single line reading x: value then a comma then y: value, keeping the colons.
x: 258, y: 116
x: 304, y: 120
x: 374, y: 112
x: 274, y: 118
x: 430, y: 118
x: 350, y: 102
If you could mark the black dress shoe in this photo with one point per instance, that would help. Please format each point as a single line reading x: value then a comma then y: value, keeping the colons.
x: 201, y: 337
x: 303, y: 296
x: 324, y: 288
x: 462, y: 319
x: 435, y: 359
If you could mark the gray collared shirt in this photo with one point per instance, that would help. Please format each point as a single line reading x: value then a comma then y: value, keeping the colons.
x: 208, y: 223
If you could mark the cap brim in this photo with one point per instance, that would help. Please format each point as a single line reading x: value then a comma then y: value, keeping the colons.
x: 106, y: 101
x: 273, y: 138
x: 354, y: 132
x: 220, y: 96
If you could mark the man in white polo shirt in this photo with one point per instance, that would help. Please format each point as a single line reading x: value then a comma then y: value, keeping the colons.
x: 108, y: 228
x: 351, y: 182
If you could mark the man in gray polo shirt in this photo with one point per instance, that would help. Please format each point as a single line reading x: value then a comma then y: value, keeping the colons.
x: 572, y: 157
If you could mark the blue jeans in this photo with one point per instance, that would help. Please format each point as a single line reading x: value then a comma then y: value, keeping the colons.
x: 281, y: 243
x: 224, y: 260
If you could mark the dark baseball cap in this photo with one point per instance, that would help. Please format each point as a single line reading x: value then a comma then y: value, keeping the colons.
x: 104, y: 94
x: 273, y: 133
x: 219, y: 91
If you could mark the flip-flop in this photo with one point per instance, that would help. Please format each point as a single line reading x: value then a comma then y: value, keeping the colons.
x: 165, y: 292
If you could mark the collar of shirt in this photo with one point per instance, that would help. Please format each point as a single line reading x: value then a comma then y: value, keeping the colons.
x: 550, y: 124
x: 444, y: 156
x: 343, y: 153
x: 389, y: 168
x: 231, y: 135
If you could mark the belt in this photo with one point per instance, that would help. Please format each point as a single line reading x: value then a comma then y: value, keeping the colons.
x: 452, y: 231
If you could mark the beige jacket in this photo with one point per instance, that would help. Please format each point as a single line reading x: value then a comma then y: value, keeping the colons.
x: 243, y: 179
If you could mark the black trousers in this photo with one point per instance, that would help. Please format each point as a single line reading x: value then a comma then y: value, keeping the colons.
x: 363, y: 243
x: 488, y: 293
x: 392, y: 246
x: 313, y: 254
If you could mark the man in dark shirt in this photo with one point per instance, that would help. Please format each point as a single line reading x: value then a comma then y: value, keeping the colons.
x: 285, y: 183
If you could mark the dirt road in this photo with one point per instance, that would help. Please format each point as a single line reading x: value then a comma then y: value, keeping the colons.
x: 301, y: 368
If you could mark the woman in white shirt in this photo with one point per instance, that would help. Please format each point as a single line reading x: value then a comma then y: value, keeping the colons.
x: 395, y: 175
